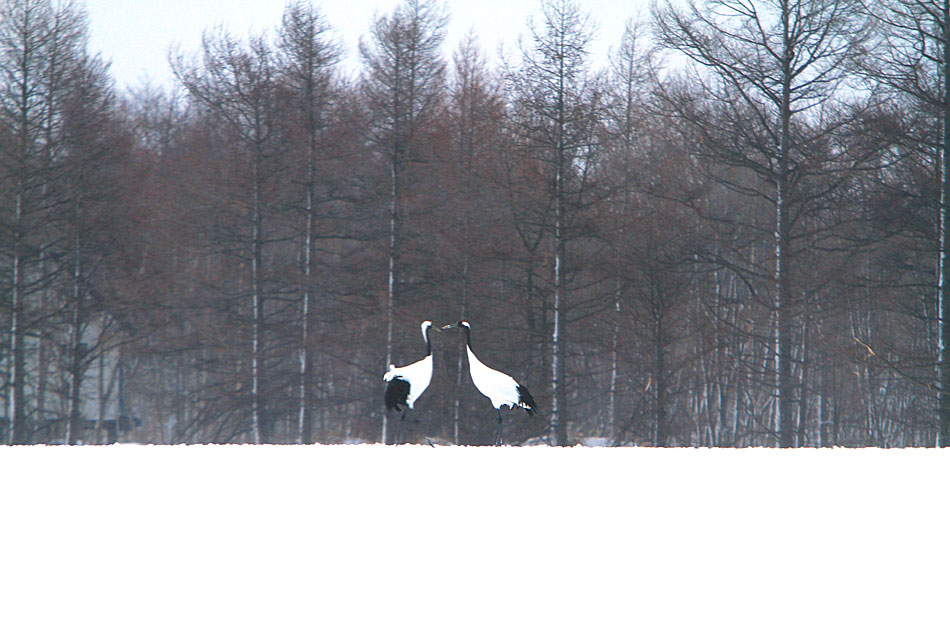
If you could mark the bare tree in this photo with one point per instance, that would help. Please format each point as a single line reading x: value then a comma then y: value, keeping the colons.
x: 39, y: 43
x: 309, y: 56
x: 912, y: 63
x: 93, y: 147
x: 403, y: 83
x: 629, y: 66
x: 557, y: 100
x: 774, y: 65
x: 237, y: 85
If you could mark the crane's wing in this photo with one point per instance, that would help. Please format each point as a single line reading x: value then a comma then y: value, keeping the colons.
x: 526, y: 400
x: 397, y: 390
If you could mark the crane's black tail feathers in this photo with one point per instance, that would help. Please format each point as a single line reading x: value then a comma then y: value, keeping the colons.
x: 526, y: 400
x: 397, y: 390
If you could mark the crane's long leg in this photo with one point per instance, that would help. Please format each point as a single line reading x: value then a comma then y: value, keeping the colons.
x: 498, y: 439
x: 399, y: 426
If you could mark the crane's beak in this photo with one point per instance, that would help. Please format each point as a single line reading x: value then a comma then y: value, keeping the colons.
x: 449, y: 326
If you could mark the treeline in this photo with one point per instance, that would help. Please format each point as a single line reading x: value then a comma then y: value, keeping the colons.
x: 733, y: 234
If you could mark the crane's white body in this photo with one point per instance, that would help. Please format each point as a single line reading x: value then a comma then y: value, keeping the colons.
x: 497, y: 386
x: 417, y: 374
x: 406, y: 384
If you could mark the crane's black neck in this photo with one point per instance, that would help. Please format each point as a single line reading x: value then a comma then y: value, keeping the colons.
x: 428, y: 342
x: 468, y: 336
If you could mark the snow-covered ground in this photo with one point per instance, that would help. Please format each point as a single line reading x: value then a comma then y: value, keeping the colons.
x: 448, y: 539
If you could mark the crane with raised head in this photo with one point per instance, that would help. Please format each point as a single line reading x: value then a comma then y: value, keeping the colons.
x: 404, y: 385
x: 499, y: 387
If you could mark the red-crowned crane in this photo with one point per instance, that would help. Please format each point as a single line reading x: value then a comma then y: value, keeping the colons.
x: 500, y: 388
x: 406, y: 384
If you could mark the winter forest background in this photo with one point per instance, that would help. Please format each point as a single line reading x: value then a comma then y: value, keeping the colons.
x: 733, y: 234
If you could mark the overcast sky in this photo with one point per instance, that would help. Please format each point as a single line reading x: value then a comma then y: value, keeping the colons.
x: 136, y: 35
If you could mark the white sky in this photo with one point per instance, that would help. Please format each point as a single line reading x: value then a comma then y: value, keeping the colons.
x: 136, y: 35
x: 119, y: 539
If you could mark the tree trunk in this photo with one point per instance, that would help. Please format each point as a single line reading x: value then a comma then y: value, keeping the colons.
x: 803, y: 392
x: 304, y: 414
x: 659, y: 349
x: 17, y: 422
x: 459, y: 370
x: 783, y: 292
x: 943, y: 287
x: 74, y: 419
x: 391, y: 280
x: 558, y: 432
x: 259, y: 432
x: 43, y: 346
x: 558, y: 425
x: 611, y: 426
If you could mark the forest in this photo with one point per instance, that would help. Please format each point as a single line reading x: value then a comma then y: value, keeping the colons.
x: 732, y: 234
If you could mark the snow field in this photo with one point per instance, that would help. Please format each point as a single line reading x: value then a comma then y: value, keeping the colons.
x: 416, y: 538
